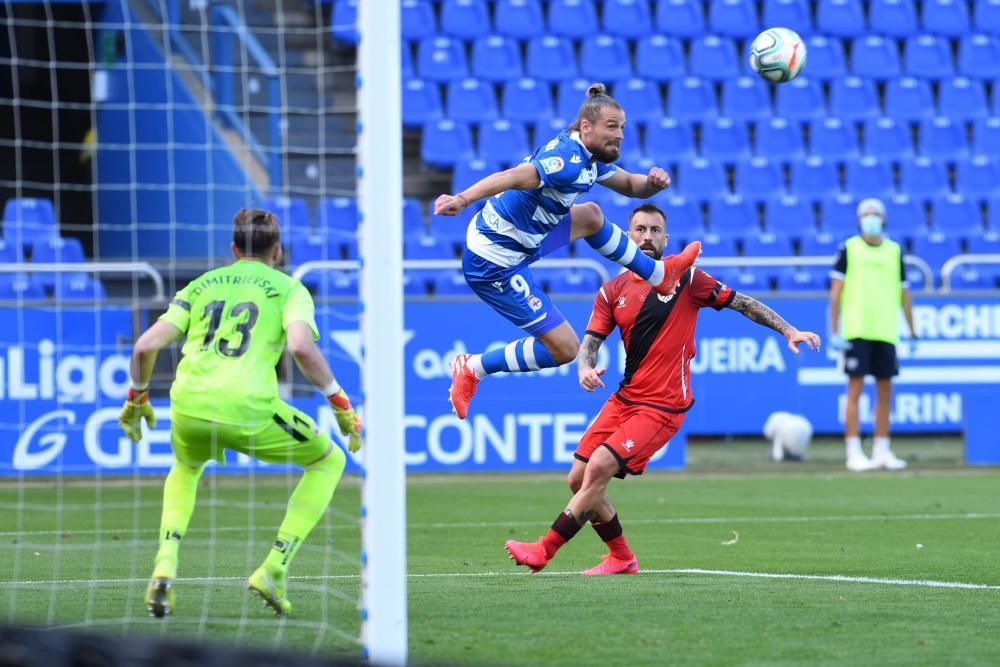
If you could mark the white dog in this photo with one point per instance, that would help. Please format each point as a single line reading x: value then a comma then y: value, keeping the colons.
x: 790, y: 435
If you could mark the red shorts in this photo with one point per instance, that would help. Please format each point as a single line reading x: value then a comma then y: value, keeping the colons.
x: 633, y: 433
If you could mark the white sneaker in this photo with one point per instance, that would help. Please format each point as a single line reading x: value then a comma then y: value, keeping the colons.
x: 860, y: 463
x: 886, y: 459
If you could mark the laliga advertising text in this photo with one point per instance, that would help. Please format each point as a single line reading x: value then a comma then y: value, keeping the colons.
x: 32, y: 373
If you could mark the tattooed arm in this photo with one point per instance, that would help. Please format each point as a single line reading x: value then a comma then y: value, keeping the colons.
x: 761, y: 314
x: 586, y: 362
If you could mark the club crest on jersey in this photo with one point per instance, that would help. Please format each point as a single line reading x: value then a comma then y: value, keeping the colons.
x: 534, y: 303
x: 551, y: 165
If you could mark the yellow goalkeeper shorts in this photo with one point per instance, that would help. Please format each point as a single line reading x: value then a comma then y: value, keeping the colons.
x: 291, y: 437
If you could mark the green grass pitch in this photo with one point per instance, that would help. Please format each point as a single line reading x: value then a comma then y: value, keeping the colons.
x: 86, y: 565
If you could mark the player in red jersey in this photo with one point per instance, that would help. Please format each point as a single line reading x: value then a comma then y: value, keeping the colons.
x: 650, y: 404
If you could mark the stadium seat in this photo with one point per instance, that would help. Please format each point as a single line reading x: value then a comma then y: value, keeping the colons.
x: 954, y: 214
x: 77, y: 287
x: 691, y: 99
x: 496, y: 58
x: 984, y: 244
x: 574, y: 281
x: 732, y: 214
x: 962, y: 99
x: 335, y: 284
x: 978, y: 177
x: 545, y: 132
x: 973, y: 277
x: 780, y: 140
x: 943, y: 139
x: 10, y: 253
x: 631, y: 145
x: 441, y: 59
x: 987, y: 16
x: 909, y: 99
x: 993, y: 214
x: 417, y: 19
x: 671, y: 139
x: 413, y: 217
x: 794, y: 14
x: 733, y: 18
x: 838, y: 215
x: 570, y: 94
x: 640, y: 99
x: 519, y: 19
x: 338, y: 215
x: 684, y: 219
x: 660, y: 58
x: 875, y: 57
x: 293, y: 215
x: 18, y: 286
x: 406, y: 56
x: 503, y: 142
x: 790, y: 216
x: 55, y: 250
x: 928, y: 57
x: 471, y: 101
x: 468, y: 172
x: 840, y: 18
x: 814, y: 178
x: 465, y: 19
x: 427, y: 247
x: 905, y: 215
x: 979, y: 56
x: 803, y: 278
x: 551, y: 58
x: 746, y: 98
x: 821, y: 244
x: 949, y: 18
x: 869, y: 177
x: 527, y: 101
x: 605, y: 58
x: 575, y: 19
x: 450, y: 283
x: 312, y: 248
x: 702, y: 180
x: 446, y: 142
x: 887, y: 139
x: 854, y: 99
x: 680, y: 18
x: 759, y: 179
x: 935, y: 249
x: 421, y: 103
x: 714, y: 58
x: 27, y: 220
x: 766, y: 244
x: 630, y: 19
x: 344, y: 22
x: 826, y: 59
x: 923, y: 178
x: 893, y: 18
x: 986, y: 135
x: 714, y: 244
x: 725, y: 140
x: 800, y: 100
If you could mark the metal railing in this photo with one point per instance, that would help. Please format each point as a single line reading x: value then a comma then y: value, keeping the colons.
x: 964, y: 260
x: 92, y: 267
x: 707, y: 262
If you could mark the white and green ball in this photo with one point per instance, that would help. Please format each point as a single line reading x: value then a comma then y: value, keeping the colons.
x: 778, y: 54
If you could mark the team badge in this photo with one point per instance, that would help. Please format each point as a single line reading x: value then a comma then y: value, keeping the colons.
x: 534, y: 303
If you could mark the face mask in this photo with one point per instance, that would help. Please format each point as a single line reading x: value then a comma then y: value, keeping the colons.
x: 871, y: 225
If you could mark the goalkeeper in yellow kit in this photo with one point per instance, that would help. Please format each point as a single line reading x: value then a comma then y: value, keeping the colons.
x: 237, y: 320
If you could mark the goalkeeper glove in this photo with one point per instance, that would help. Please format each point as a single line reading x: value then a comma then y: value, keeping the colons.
x: 347, y: 419
x: 136, y: 408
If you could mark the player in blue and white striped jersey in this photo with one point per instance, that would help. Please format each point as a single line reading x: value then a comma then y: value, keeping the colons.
x: 530, y: 213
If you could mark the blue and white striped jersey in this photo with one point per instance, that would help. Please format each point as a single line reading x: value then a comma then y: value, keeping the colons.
x: 511, y: 227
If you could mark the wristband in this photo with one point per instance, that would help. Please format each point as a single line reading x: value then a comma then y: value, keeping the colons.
x: 331, y: 389
x: 465, y: 202
x: 136, y: 386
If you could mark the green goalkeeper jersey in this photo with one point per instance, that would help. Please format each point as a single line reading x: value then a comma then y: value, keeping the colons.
x: 235, y: 319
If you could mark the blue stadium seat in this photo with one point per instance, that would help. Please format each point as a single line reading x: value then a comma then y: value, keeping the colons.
x: 875, y: 57
x: 413, y: 217
x: 923, y: 178
x: 520, y: 19
x: 826, y: 59
x: 838, y: 215
x: 732, y: 214
x: 928, y: 57
x: 406, y: 56
x: 77, y: 287
x: 55, y: 250
x: 616, y: 207
x: 527, y: 101
x: 573, y: 18
x: 465, y: 19
x: 986, y: 136
x: 767, y: 244
x: 672, y: 139
x: 311, y: 248
x: 570, y: 94
x: 974, y: 278
x: 979, y: 56
x: 949, y: 18
x: 909, y: 99
x: 27, y: 220
x: 759, y: 179
x: 344, y: 22
x: 631, y: 145
x: 427, y: 247
x: 417, y: 19
x: 543, y: 133
x: 680, y: 18
x: 725, y: 140
x: 955, y: 214
x: 10, y: 252
x: 746, y: 98
x: 987, y: 16
x: 496, y: 58
x: 441, y: 59
x: 574, y: 281
x: 800, y: 99
x: 869, y: 177
x: 337, y: 226
x: 450, y: 283
x: 416, y: 283
x: 640, y: 99
x: 702, y: 180
x: 905, y: 215
x: 887, y: 139
x: 978, y: 177
x: 504, y: 142
x: 790, y: 217
x: 814, y: 178
x: 468, y: 172
x: 421, y: 103
x: 854, y: 99
x: 605, y: 58
x: 733, y: 18
x: 984, y: 244
x: 780, y: 140
x: 715, y: 244
x: 794, y: 14
x: 446, y: 142
x: 335, y: 284
x: 993, y: 214
x: 894, y: 18
x: 684, y: 219
x: 293, y: 215
x: 821, y: 244
x: 471, y: 101
x: 714, y: 58
x: 691, y: 99
x: 941, y: 138
x: 551, y: 58
x: 840, y: 18
x: 833, y: 140
x: 962, y: 99
x: 803, y: 279
x: 630, y: 19
x: 935, y: 249
x: 660, y: 58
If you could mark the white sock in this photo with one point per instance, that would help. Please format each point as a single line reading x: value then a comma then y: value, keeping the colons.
x: 854, y: 446
x: 881, y: 446
x: 476, y: 364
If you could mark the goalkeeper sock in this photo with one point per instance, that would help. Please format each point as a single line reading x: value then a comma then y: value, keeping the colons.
x: 610, y: 532
x: 563, y: 529
x: 311, y: 497
x: 180, y: 489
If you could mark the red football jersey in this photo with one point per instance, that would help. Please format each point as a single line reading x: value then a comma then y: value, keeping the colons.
x: 658, y: 332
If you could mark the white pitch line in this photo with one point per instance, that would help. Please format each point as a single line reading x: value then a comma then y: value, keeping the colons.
x: 885, y: 581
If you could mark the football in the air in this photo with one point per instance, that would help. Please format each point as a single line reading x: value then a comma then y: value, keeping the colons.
x: 778, y: 54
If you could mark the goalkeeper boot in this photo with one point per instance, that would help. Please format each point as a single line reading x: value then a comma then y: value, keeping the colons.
x: 270, y: 587
x: 530, y: 554
x: 611, y: 565
x: 160, y: 597
x: 675, y: 266
x: 463, y: 385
